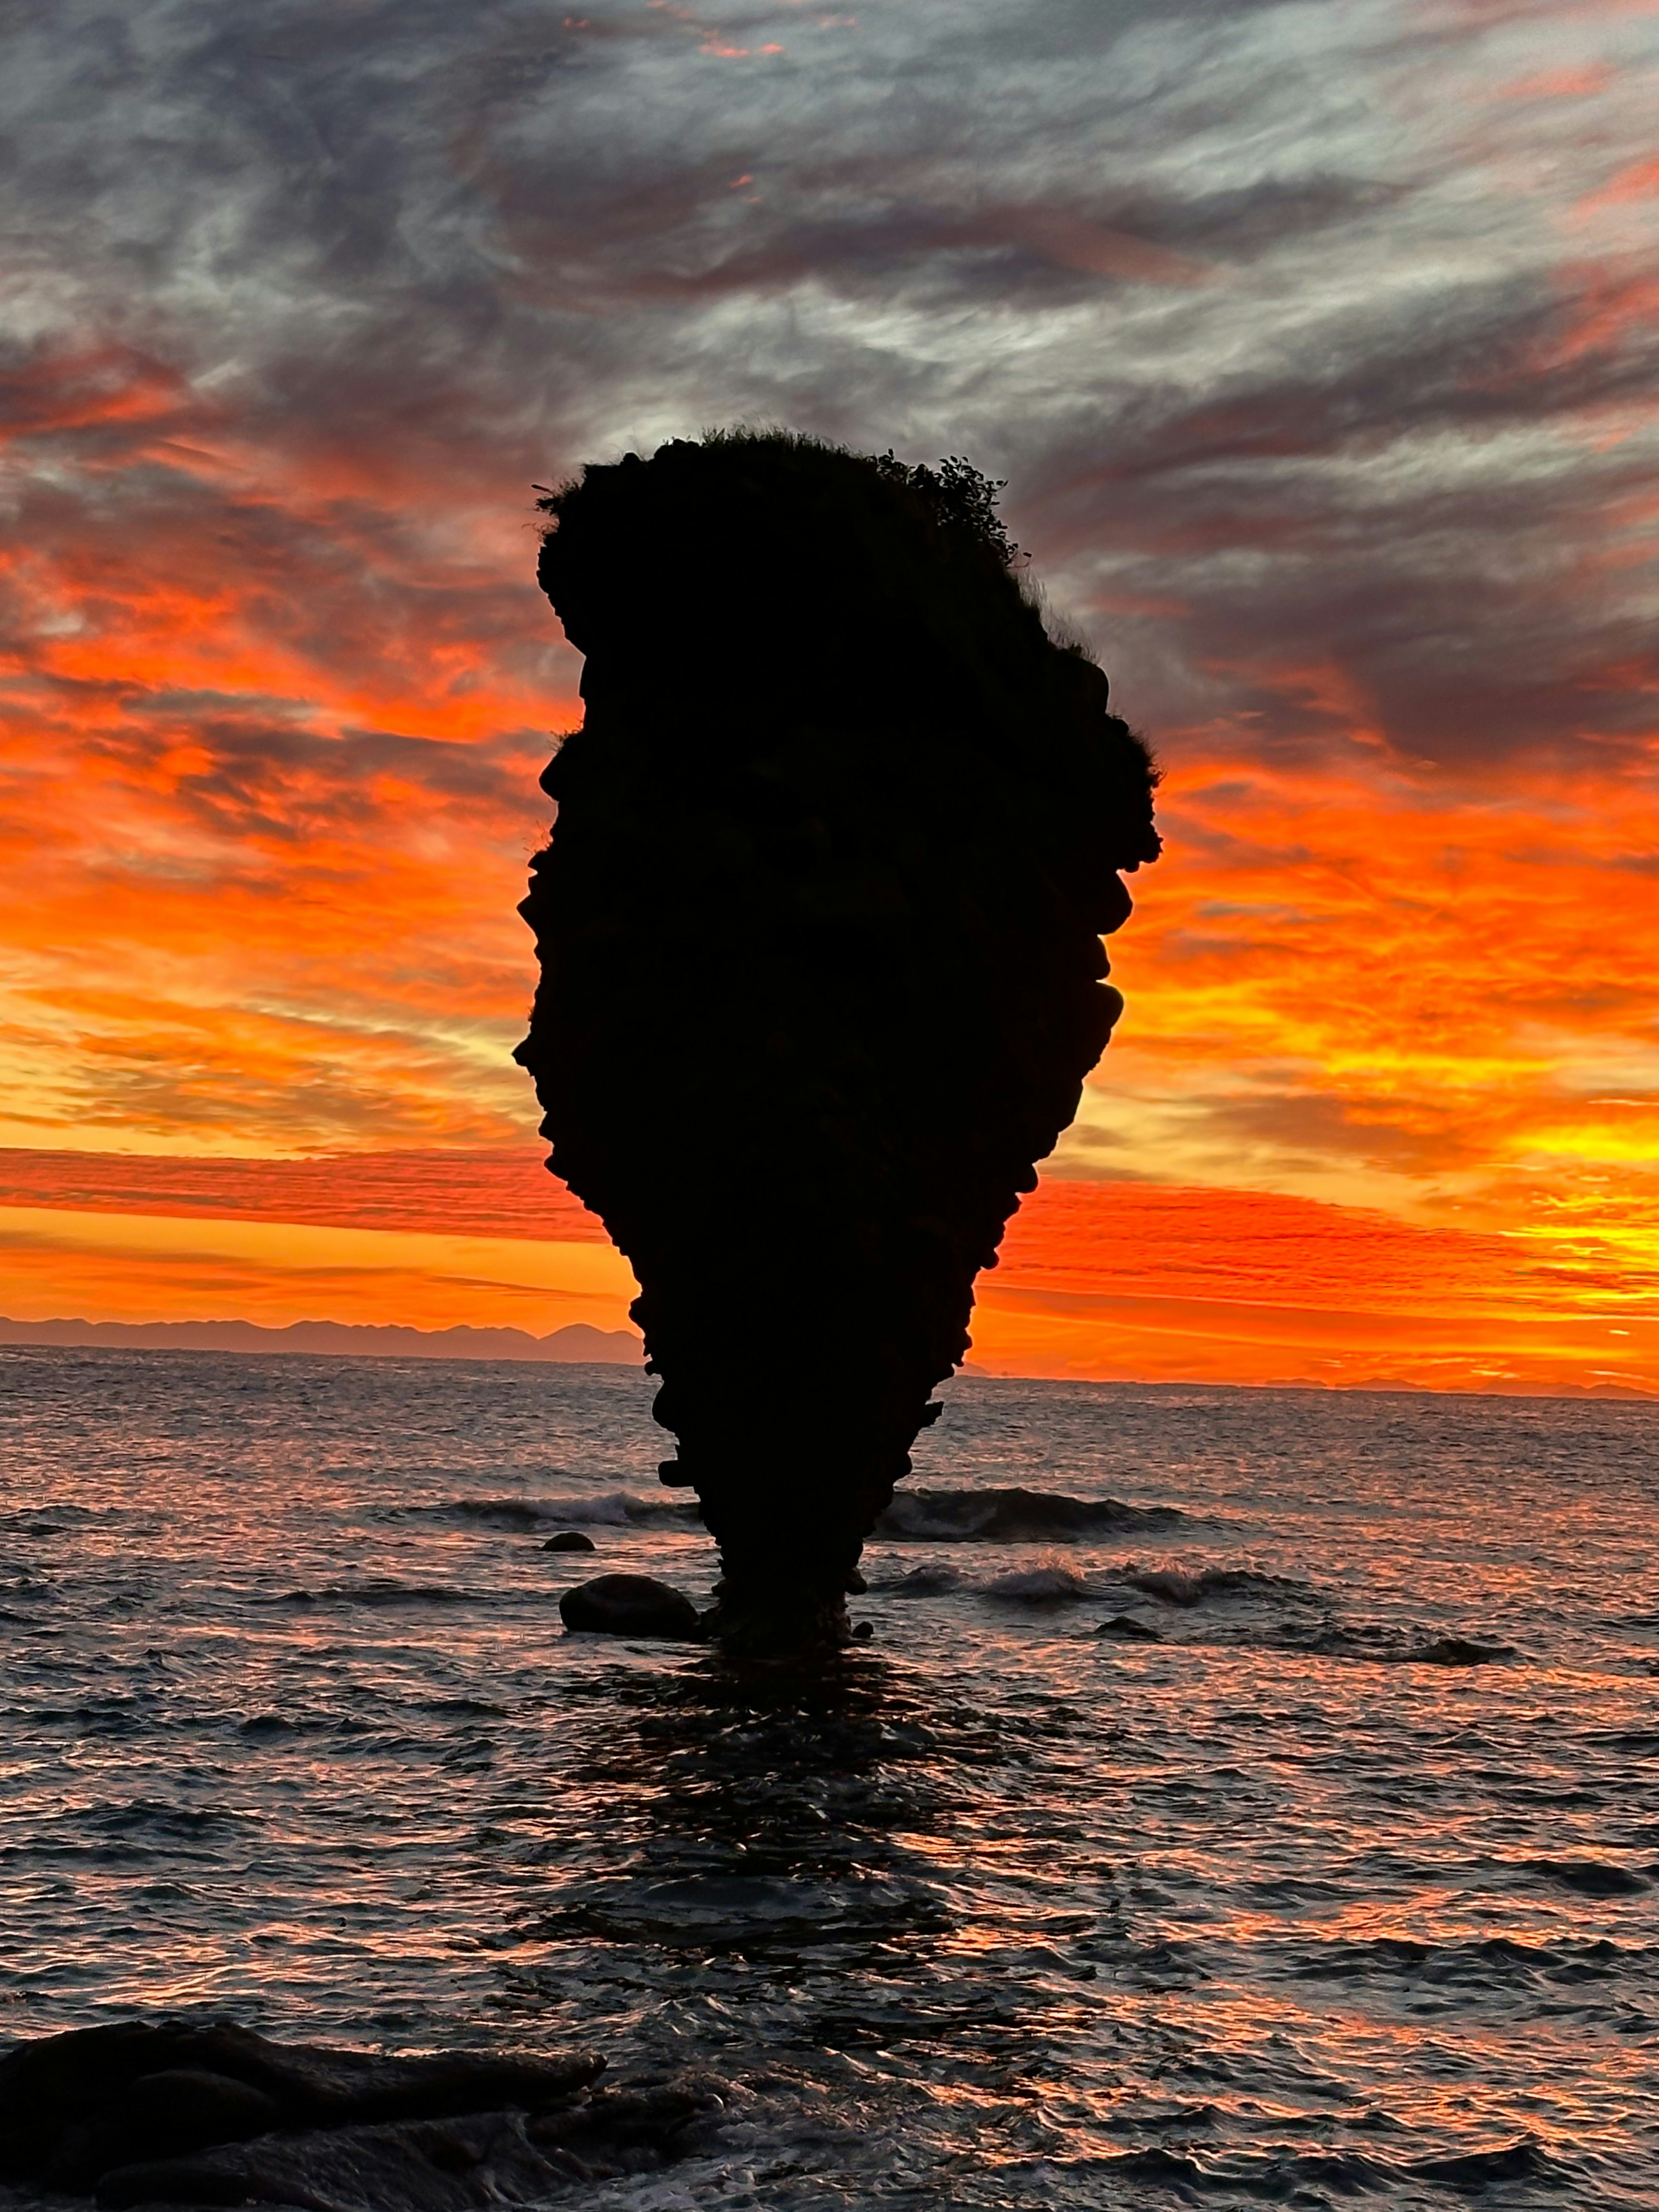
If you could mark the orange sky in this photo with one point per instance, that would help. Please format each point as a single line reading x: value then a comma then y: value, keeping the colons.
x: 1344, y: 464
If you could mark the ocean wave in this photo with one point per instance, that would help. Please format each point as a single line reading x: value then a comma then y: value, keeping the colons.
x: 382, y: 1593
x: 1011, y: 1516
x: 1389, y: 1646
x: 1054, y: 1583
x: 606, y: 1508
x: 31, y: 1586
x: 1190, y: 1586
x: 1295, y: 2174
x: 1485, y: 1967
x: 936, y: 1579
x: 733, y: 1911
x: 1473, y: 2170
x: 52, y: 1518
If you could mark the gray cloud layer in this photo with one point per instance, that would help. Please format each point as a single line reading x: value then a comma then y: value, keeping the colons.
x: 1281, y: 321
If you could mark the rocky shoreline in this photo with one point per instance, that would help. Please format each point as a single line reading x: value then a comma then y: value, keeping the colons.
x: 174, y: 2110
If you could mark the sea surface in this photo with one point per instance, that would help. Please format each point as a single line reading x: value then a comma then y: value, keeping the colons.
x: 1342, y: 1891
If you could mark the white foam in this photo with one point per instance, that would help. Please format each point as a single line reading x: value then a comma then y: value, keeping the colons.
x: 611, y: 1509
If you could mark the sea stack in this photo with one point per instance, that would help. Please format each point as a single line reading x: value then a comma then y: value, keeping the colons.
x: 821, y: 974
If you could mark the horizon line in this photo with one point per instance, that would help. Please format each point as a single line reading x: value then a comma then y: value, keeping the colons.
x: 582, y: 1344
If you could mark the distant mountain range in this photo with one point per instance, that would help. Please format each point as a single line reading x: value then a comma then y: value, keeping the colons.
x: 616, y: 1347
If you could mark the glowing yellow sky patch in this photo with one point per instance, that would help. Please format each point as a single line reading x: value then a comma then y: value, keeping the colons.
x: 126, y: 1267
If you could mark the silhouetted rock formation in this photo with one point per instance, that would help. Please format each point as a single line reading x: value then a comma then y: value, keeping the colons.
x: 819, y: 932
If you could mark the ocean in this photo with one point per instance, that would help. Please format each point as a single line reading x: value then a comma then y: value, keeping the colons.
x: 1328, y: 1874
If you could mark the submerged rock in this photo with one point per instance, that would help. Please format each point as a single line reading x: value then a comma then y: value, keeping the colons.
x: 570, y: 1539
x: 1460, y: 1651
x: 630, y: 1605
x: 1129, y: 1629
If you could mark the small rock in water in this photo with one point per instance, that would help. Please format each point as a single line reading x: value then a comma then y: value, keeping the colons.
x: 1460, y: 1651
x: 1131, y: 1631
x: 630, y: 1605
x: 570, y: 1539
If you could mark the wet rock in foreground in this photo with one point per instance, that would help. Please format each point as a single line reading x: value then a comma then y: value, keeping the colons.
x: 630, y: 1605
x: 570, y: 1539
x: 211, y: 2113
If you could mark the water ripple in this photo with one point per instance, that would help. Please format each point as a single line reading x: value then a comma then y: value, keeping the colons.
x: 1333, y: 1874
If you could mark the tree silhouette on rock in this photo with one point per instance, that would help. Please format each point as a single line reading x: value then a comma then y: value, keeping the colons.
x: 819, y: 931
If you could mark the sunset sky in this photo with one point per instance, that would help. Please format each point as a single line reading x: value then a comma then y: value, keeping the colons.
x: 1319, y: 347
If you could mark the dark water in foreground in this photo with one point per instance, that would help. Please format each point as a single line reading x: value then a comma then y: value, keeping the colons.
x: 1277, y: 1910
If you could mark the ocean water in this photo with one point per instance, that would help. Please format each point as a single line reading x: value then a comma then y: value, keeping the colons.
x: 1342, y: 1890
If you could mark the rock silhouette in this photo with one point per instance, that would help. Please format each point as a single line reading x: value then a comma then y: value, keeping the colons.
x: 821, y: 975
x: 630, y: 1605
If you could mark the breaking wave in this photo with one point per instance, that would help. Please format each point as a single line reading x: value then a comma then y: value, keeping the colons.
x: 606, y: 1508
x: 1054, y: 1583
x: 1013, y: 1516
x: 1188, y: 1586
x: 378, y: 1593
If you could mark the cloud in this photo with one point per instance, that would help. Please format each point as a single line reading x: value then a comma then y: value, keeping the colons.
x: 1098, y: 1280
x: 114, y: 1267
x: 1317, y: 347
x: 504, y: 1192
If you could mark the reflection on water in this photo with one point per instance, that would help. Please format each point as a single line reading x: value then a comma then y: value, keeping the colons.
x: 1336, y: 1878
